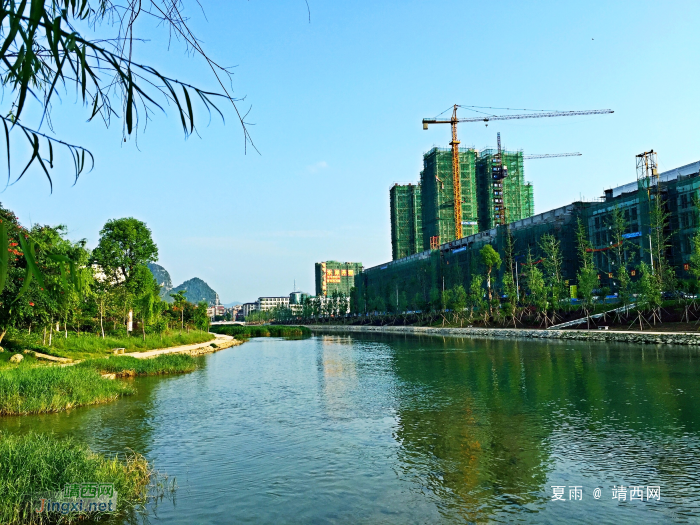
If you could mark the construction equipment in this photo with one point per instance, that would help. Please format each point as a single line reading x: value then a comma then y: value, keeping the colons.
x: 550, y: 155
x: 500, y: 172
x: 453, y: 121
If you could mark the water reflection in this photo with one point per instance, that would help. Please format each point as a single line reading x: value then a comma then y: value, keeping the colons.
x: 489, y: 426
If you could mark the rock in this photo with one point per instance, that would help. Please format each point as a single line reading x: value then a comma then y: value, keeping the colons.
x: 1, y: 349
x: 117, y: 351
x: 25, y: 351
x: 16, y: 358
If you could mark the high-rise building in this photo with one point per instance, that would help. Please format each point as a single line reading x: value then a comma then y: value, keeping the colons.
x: 406, y: 222
x: 437, y: 197
x: 512, y: 193
x: 334, y: 276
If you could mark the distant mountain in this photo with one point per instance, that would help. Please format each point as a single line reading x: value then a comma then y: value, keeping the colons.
x: 234, y: 303
x: 196, y: 290
x: 163, y: 278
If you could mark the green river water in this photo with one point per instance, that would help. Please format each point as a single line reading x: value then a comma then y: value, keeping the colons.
x: 406, y: 429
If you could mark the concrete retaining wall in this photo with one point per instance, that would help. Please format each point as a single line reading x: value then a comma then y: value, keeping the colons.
x: 667, y: 338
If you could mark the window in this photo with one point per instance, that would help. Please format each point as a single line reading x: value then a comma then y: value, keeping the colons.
x: 597, y: 238
x: 597, y: 222
x: 684, y: 200
x: 627, y: 214
x: 634, y: 213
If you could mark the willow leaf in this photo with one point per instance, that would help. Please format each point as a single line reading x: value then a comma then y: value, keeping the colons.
x: 4, y: 255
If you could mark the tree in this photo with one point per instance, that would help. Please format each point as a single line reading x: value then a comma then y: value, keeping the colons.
x: 552, y: 263
x: 180, y: 302
x: 44, y: 53
x: 491, y: 260
x: 145, y: 308
x: 201, y: 319
x: 648, y: 293
x: 476, y: 294
x: 660, y: 242
x: 694, y: 262
x: 536, y: 288
x: 124, y: 245
x: 511, y: 293
x: 587, y: 275
x: 457, y: 302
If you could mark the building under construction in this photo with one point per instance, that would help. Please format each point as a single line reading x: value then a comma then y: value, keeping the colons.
x: 406, y: 222
x: 334, y: 276
x: 414, y: 281
x: 423, y: 217
x: 437, y: 198
x: 502, y: 200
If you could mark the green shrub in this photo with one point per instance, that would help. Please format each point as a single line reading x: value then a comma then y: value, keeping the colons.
x: 243, y: 332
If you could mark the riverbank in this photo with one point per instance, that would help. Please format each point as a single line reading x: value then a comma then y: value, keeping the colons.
x: 240, y: 332
x: 671, y: 338
x: 39, y: 386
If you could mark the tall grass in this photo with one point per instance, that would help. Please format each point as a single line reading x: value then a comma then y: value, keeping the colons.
x: 86, y: 345
x: 36, y: 463
x: 243, y: 332
x: 130, y: 366
x: 91, y: 343
x: 26, y: 390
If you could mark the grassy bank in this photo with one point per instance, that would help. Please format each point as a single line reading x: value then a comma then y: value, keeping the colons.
x: 245, y: 332
x: 32, y: 390
x: 36, y: 463
x: 86, y: 345
x: 125, y: 366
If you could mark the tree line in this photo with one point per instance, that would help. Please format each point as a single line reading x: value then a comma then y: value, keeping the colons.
x: 52, y: 284
x: 534, y: 291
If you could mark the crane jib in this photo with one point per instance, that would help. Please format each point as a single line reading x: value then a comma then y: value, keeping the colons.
x: 522, y: 116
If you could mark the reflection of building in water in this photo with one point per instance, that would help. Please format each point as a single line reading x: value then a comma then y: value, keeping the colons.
x: 338, y: 375
x: 467, y: 435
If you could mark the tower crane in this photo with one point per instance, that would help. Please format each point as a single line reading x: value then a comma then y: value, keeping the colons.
x: 500, y: 172
x: 454, y: 120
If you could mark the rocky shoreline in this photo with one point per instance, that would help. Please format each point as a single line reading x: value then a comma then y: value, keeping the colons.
x: 657, y: 338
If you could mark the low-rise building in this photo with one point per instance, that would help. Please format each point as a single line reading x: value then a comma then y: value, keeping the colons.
x: 268, y: 303
x: 247, y: 308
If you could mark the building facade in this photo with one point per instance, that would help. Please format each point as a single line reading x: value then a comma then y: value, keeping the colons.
x: 406, y: 220
x: 247, y: 308
x: 437, y: 197
x: 334, y: 276
x: 422, y: 216
x: 269, y: 303
x: 511, y: 196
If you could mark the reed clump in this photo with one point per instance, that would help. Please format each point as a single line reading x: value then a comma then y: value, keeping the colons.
x: 34, y: 390
x: 245, y: 332
x: 126, y: 366
x: 35, y: 463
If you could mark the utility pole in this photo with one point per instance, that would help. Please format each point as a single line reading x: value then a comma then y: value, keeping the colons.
x: 651, y: 256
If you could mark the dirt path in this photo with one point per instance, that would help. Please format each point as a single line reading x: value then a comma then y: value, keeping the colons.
x: 221, y: 341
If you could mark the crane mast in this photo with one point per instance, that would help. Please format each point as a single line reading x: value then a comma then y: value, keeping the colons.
x: 456, y: 176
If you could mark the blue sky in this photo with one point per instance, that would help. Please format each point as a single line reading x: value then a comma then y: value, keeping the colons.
x: 337, y: 106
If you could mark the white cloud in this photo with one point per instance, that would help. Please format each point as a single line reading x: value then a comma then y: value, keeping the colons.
x: 320, y: 165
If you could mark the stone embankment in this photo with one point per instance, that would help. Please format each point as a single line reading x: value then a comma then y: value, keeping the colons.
x: 668, y: 338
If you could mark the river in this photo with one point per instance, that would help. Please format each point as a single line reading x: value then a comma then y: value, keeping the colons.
x: 407, y: 429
